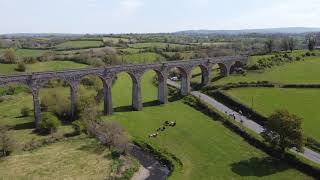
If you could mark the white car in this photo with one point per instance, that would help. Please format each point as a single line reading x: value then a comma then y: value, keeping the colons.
x: 174, y: 79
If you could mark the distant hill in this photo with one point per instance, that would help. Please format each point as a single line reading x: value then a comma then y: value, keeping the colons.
x: 287, y: 30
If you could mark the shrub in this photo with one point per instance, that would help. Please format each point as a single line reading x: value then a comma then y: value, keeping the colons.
x: 308, y: 54
x: 21, y: 67
x: 111, y: 134
x: 56, y: 103
x: 25, y: 111
x: 7, y: 144
x: 49, y: 123
x: 79, y: 127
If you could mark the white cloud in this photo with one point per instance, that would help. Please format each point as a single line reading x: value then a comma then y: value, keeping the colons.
x: 284, y: 13
x: 131, y: 5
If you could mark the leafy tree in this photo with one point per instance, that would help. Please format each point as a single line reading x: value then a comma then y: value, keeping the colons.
x: 269, y: 44
x: 56, y: 103
x: 285, y: 43
x: 292, y: 44
x: 7, y: 144
x: 10, y: 56
x: 21, y: 67
x: 88, y: 114
x: 49, y: 123
x: 311, y: 43
x: 283, y: 130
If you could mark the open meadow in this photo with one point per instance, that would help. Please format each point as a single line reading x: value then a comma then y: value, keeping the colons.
x: 302, y: 102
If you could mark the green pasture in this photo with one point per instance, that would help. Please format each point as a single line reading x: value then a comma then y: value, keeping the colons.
x: 78, y: 44
x: 298, y: 72
x: 139, y: 58
x: 302, y: 102
x: 41, y: 66
x: 155, y: 45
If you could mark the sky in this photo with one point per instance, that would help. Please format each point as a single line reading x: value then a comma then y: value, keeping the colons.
x: 152, y: 16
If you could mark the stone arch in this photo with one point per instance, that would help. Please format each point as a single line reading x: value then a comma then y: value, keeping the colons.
x: 204, y: 73
x: 91, y: 80
x: 224, y: 70
x: 185, y: 76
x: 236, y: 67
x: 135, y: 77
x: 52, y: 82
x: 161, y: 85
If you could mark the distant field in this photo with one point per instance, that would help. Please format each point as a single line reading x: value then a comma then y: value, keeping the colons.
x: 255, y: 59
x: 79, y: 44
x: 27, y: 52
x: 185, y: 54
x: 155, y: 44
x: 42, y: 66
x: 73, y: 159
x: 130, y: 50
x: 301, y: 72
x: 114, y: 39
x: 303, y: 102
x: 141, y: 58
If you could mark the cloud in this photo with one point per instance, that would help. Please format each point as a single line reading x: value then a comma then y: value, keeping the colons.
x: 92, y: 3
x: 131, y: 5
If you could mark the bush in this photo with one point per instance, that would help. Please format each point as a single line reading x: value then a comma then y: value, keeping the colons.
x: 79, y: 127
x: 21, y: 67
x: 25, y: 111
x: 56, y: 103
x: 49, y: 123
x: 308, y: 54
x: 7, y: 144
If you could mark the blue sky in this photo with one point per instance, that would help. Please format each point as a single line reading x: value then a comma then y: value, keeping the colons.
x: 140, y: 16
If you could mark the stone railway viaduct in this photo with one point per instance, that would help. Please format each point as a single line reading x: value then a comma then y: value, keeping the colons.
x: 35, y: 81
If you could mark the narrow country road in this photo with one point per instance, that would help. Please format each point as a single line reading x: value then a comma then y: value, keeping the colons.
x: 308, y: 153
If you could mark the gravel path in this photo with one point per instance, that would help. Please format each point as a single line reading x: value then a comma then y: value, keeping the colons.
x: 308, y: 153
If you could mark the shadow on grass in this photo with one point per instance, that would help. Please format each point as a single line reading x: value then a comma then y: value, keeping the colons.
x: 23, y: 126
x: 258, y: 167
x: 129, y: 108
x: 216, y: 78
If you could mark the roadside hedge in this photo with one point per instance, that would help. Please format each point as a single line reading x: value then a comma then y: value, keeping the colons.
x: 237, y: 106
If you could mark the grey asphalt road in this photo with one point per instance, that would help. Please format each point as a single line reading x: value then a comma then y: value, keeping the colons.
x: 308, y: 153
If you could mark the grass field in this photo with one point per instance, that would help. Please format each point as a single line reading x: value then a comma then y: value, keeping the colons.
x: 27, y: 52
x: 78, y: 44
x: 155, y: 45
x: 72, y: 159
x: 114, y: 39
x: 299, y: 72
x: 302, y: 102
x: 206, y: 148
x: 42, y: 66
x: 139, y: 58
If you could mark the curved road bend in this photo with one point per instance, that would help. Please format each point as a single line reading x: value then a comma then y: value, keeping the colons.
x: 308, y: 153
